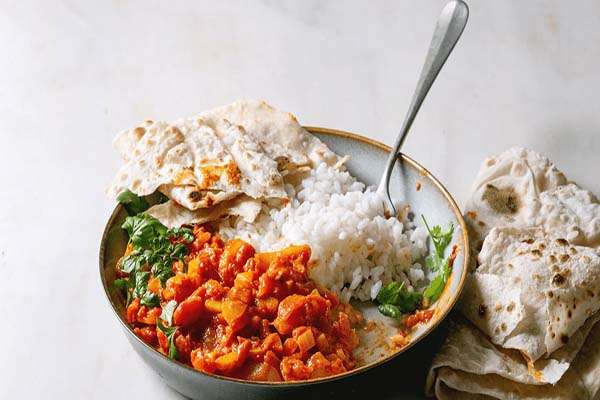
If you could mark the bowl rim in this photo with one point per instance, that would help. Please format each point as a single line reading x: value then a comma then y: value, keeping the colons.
x: 336, y: 133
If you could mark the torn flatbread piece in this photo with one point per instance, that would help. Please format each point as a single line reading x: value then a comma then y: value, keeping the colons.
x: 572, y: 211
x: 173, y: 215
x: 198, y: 165
x: 532, y: 291
x: 506, y: 191
x: 278, y: 132
x: 126, y: 140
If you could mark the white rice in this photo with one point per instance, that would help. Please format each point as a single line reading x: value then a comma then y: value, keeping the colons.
x: 355, y: 249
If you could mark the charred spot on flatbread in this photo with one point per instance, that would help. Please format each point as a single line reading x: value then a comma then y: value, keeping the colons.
x: 195, y: 196
x: 139, y: 131
x: 558, y: 279
x: 503, y: 201
x: 282, y: 163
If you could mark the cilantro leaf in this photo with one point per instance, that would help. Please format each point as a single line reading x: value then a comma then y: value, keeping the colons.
x: 141, y: 284
x: 155, y: 248
x: 441, y: 239
x: 398, y: 296
x: 436, y: 261
x: 143, y: 228
x: 410, y: 301
x: 185, y: 233
x: 170, y: 334
x: 132, y: 202
x: 130, y: 263
x: 150, y: 299
x: 436, y: 287
x: 167, y: 312
x: 390, y: 310
x: 395, y: 299
x: 389, y: 294
x: 125, y: 285
x: 121, y: 284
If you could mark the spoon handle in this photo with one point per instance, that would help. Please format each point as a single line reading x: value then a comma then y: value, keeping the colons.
x: 449, y: 27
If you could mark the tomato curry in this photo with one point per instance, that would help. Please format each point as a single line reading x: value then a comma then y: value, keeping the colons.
x: 228, y: 310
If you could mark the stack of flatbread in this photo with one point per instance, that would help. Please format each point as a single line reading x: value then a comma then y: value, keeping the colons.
x: 225, y: 161
x: 531, y: 302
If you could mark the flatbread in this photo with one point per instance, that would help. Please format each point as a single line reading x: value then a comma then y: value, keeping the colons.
x: 173, y: 215
x: 278, y: 132
x: 534, y: 297
x: 506, y: 191
x: 572, y: 211
x: 469, y: 365
x: 468, y: 349
x: 444, y: 392
x: 126, y: 140
x: 197, y: 164
x: 532, y: 291
x: 246, y: 138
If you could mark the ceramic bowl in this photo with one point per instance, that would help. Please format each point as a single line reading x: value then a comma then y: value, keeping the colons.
x: 410, y: 183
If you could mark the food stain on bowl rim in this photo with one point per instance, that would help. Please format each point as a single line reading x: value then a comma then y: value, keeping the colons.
x: 443, y: 305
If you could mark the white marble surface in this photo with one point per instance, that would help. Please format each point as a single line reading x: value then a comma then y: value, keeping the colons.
x: 74, y: 73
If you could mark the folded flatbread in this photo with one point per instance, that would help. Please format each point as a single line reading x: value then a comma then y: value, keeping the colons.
x: 209, y: 164
x: 506, y: 191
x: 278, y: 132
x: 469, y: 366
x: 173, y: 215
x: 532, y: 291
x: 241, y: 149
x: 571, y: 212
x: 468, y: 349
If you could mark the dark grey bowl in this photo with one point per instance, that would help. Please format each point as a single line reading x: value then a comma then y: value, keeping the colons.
x: 411, y: 183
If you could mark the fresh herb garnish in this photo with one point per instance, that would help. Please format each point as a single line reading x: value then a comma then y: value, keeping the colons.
x: 399, y: 297
x: 395, y: 299
x: 441, y: 240
x: 150, y: 299
x: 169, y: 332
x: 437, y: 262
x: 126, y: 285
x: 143, y: 229
x: 390, y: 310
x: 155, y: 248
x: 132, y: 202
x: 436, y: 287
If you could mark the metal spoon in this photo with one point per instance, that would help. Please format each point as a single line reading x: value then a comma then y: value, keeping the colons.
x: 450, y: 26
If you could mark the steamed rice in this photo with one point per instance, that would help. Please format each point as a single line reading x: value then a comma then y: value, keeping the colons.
x: 356, y: 250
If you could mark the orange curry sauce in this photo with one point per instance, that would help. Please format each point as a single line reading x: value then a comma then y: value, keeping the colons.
x: 248, y: 315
